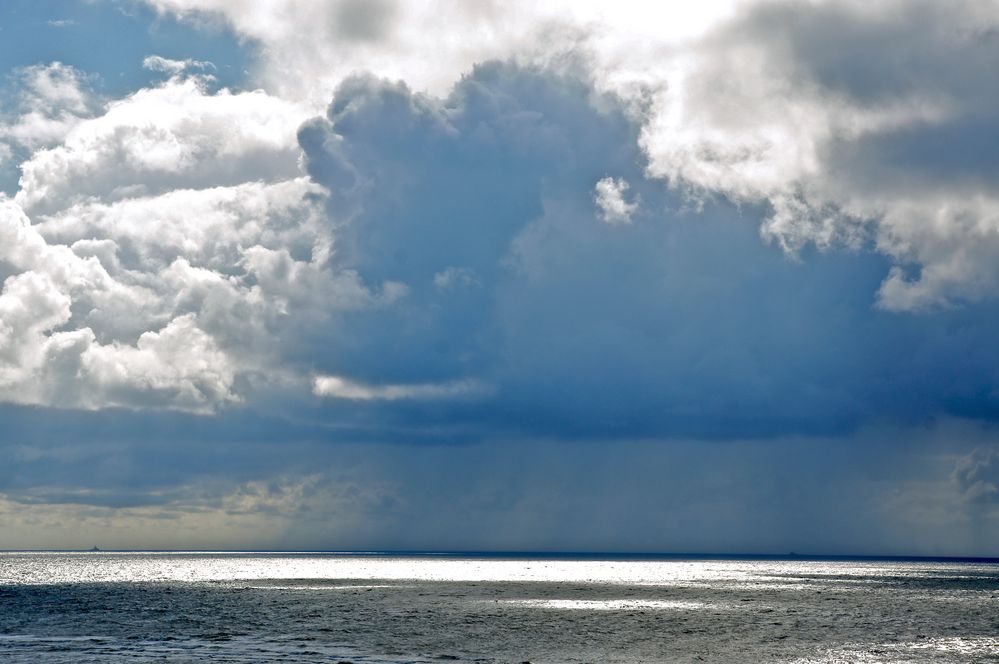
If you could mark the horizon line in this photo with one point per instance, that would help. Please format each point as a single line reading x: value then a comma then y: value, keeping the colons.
x: 544, y: 554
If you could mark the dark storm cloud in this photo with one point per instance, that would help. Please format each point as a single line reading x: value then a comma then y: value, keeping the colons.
x: 680, y: 323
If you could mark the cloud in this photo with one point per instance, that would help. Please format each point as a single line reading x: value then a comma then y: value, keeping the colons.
x: 309, y: 48
x: 456, y: 278
x: 47, y: 359
x: 174, y: 67
x: 518, y: 261
x: 873, y: 492
x: 166, y: 283
x: 167, y: 314
x: 609, y: 198
x: 197, y: 516
x: 853, y: 123
x: 977, y: 475
x: 177, y: 135
x: 446, y: 229
x: 683, y: 324
x: 44, y: 103
x: 209, y: 227
x: 176, y: 367
x: 334, y: 387
x: 52, y: 357
x: 447, y: 241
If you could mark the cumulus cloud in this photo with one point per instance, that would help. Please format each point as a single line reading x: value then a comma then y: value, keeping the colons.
x: 177, y: 135
x: 156, y: 254
x: 685, y: 325
x: 445, y: 214
x: 135, y: 319
x: 45, y: 363
x: 207, y: 226
x: 308, y: 48
x: 440, y: 242
x: 609, y: 197
x: 847, y: 120
x: 851, y: 121
x: 179, y: 366
x: 43, y: 103
x: 446, y: 229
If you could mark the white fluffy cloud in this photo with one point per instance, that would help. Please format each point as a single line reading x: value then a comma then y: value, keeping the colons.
x: 162, y: 249
x: 45, y: 102
x: 609, y: 197
x: 48, y: 357
x: 173, y: 136
x: 813, y: 108
x: 309, y: 47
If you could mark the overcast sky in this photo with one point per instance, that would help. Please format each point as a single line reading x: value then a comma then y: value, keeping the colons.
x: 603, y: 276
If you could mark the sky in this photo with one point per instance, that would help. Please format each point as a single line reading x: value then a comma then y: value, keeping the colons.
x: 412, y: 275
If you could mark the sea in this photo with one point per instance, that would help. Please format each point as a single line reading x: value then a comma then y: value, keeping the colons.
x: 433, y: 608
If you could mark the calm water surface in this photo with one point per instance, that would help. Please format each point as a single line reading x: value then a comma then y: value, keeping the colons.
x: 111, y: 607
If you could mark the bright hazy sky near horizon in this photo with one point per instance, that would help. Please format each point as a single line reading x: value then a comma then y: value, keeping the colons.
x: 479, y: 275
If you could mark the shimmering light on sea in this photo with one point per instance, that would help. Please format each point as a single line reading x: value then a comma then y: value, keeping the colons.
x: 384, y: 609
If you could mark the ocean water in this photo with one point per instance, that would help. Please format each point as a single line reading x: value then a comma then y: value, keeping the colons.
x: 277, y: 607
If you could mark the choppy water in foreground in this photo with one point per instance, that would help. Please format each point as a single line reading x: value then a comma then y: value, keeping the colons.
x: 107, y: 607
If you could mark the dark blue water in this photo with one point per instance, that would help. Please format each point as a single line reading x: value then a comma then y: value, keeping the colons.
x: 107, y: 607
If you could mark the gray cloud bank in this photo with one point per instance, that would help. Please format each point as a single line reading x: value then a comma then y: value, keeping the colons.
x: 145, y: 482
